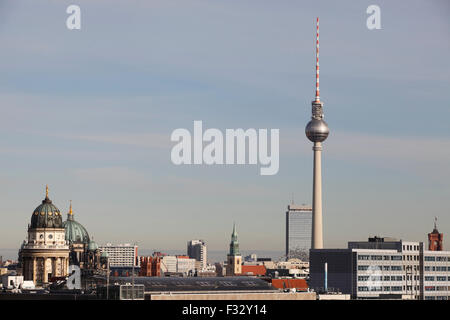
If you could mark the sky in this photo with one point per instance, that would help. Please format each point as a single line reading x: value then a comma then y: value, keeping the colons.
x: 90, y: 113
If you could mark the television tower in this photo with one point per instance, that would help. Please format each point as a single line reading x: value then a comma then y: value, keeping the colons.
x: 317, y: 131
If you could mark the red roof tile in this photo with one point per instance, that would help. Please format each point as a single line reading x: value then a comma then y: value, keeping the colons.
x: 290, y: 283
x: 253, y: 270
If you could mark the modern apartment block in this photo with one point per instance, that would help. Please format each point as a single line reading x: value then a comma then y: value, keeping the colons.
x: 383, y: 268
x: 121, y: 255
x: 298, y: 231
x: 196, y: 249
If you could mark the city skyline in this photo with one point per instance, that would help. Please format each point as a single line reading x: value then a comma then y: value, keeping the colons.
x: 90, y: 114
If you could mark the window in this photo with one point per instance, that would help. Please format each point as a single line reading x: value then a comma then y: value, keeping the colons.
x: 363, y: 278
x: 387, y: 278
x: 386, y: 288
x: 386, y: 257
x: 363, y: 288
x: 441, y: 278
x: 396, y: 258
x: 375, y: 288
x: 363, y: 257
x: 386, y: 268
x: 428, y: 258
x: 396, y: 288
x: 429, y: 278
x: 396, y: 268
x: 376, y: 257
x: 430, y: 288
x: 363, y: 268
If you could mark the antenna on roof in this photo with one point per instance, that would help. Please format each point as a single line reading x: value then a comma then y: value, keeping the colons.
x: 317, y: 61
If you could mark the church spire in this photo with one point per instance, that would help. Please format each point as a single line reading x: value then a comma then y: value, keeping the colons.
x: 234, y: 244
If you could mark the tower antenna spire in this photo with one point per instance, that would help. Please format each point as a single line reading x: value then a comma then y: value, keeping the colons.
x: 317, y: 131
x: 317, y: 61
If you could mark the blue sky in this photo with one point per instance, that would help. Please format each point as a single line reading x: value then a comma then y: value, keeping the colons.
x: 90, y: 113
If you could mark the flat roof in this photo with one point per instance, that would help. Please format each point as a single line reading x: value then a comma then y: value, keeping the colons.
x: 159, y: 284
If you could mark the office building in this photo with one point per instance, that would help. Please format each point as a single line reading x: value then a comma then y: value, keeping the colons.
x: 382, y: 268
x: 121, y: 255
x: 298, y: 232
x: 196, y: 249
x: 185, y: 265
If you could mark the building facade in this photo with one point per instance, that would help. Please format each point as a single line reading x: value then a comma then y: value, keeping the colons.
x: 234, y: 258
x: 45, y: 253
x: 298, y: 232
x: 121, y: 255
x: 383, y: 268
x: 150, y: 266
x: 185, y: 265
x: 196, y: 249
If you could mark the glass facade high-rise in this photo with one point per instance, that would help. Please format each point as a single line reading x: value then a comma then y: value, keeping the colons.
x: 298, y: 232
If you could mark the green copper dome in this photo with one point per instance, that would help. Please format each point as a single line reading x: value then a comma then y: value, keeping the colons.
x: 75, y: 232
x: 46, y: 215
x: 92, y: 245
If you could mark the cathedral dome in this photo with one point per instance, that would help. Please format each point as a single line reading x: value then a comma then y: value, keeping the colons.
x: 75, y: 232
x: 46, y: 215
x: 92, y: 245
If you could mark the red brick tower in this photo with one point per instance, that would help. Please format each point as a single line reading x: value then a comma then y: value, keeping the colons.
x: 435, y: 239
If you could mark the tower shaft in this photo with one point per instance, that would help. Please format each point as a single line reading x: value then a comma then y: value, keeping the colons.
x: 316, y: 235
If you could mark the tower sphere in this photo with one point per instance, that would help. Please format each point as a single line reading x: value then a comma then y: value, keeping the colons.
x: 317, y: 130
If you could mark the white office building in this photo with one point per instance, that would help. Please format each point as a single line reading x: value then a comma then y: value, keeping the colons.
x: 168, y: 264
x: 121, y: 255
x: 177, y: 264
x: 186, y: 265
x: 382, y: 268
